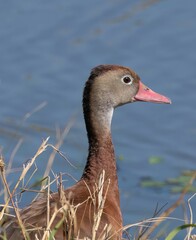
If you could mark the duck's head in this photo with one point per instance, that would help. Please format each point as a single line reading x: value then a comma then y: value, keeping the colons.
x: 113, y: 85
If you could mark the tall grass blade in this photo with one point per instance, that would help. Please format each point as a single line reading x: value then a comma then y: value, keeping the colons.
x: 175, y: 231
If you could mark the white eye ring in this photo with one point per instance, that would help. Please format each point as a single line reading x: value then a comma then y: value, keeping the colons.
x: 127, y: 79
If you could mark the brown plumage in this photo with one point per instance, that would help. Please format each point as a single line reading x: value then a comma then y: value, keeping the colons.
x: 108, y: 86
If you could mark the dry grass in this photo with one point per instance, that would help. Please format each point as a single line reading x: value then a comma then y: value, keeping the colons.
x: 144, y: 229
x: 67, y: 210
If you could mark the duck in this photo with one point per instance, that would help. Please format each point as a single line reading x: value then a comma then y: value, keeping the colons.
x: 90, y: 209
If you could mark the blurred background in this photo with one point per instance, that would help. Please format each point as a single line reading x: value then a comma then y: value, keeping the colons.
x: 47, y: 49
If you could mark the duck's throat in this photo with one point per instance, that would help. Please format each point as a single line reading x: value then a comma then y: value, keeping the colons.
x: 101, y: 151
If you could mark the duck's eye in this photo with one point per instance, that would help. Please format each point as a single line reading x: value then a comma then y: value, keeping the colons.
x: 127, y: 79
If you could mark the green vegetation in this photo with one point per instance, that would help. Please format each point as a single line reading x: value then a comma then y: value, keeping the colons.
x: 175, y: 185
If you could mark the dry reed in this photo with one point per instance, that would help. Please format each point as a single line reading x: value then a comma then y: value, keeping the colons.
x: 68, y: 211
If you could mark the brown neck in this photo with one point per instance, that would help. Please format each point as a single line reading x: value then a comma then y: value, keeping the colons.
x: 101, y: 151
x: 101, y: 157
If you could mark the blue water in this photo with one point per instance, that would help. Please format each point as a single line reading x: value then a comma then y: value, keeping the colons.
x: 47, y: 50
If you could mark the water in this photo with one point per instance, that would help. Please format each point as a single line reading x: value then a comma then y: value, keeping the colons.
x: 47, y: 50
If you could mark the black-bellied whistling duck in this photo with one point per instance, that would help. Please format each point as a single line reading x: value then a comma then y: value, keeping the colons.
x: 94, y: 199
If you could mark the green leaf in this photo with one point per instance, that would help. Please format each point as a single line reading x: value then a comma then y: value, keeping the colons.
x: 179, y: 180
x: 178, y: 189
x: 152, y: 183
x: 57, y: 226
x: 175, y: 231
x: 154, y: 160
x: 121, y: 157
